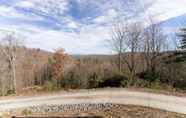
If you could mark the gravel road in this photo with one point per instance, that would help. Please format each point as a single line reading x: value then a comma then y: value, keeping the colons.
x: 115, y: 96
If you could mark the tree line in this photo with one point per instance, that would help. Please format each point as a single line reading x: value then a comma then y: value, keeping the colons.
x: 142, y: 59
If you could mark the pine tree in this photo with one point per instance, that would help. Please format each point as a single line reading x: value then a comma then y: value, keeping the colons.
x: 182, y: 35
x: 181, y: 55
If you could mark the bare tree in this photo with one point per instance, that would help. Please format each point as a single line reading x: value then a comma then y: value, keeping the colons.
x: 9, y: 45
x: 118, y: 42
x: 126, y: 43
x: 133, y: 40
x: 154, y: 45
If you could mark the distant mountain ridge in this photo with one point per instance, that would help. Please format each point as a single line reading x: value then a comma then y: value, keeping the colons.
x: 175, y: 22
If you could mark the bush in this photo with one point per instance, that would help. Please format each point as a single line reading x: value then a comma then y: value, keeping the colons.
x: 140, y: 83
x: 117, y: 80
x: 71, y: 83
x: 73, y: 80
x: 26, y: 112
x: 180, y: 84
x: 94, y: 80
x: 50, y: 86
x: 10, y: 92
x: 150, y: 76
x: 126, y: 82
x: 156, y: 85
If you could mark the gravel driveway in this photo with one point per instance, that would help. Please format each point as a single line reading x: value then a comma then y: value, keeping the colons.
x: 115, y: 96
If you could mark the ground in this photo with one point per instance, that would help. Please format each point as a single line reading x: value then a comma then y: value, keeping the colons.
x: 116, y: 111
x: 109, y: 103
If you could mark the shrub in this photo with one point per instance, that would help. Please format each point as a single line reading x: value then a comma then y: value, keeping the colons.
x: 50, y: 86
x: 94, y: 80
x: 10, y: 92
x: 26, y: 112
x: 149, y: 76
x: 73, y: 80
x: 117, y: 80
x: 156, y: 85
x: 180, y: 84
x: 137, y: 82
x: 125, y: 83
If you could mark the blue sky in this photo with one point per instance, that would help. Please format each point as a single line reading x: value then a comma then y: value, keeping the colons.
x: 78, y: 26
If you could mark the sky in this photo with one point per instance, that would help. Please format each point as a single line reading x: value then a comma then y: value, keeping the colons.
x: 78, y: 26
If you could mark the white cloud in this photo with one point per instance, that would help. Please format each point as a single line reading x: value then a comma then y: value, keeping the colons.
x: 25, y: 4
x: 11, y: 13
x: 108, y: 17
x: 165, y: 9
x: 90, y: 38
x: 8, y: 11
x: 54, y: 8
x: 72, y: 25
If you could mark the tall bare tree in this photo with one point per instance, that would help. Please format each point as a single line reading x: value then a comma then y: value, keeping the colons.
x: 125, y: 41
x: 9, y: 45
x: 154, y: 44
x: 118, y: 42
x: 133, y: 40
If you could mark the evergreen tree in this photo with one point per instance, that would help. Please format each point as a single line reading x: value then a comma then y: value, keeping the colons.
x: 182, y: 35
x: 181, y: 55
x: 178, y: 56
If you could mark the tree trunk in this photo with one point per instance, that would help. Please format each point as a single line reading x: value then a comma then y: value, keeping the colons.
x: 119, y: 65
x: 14, y: 76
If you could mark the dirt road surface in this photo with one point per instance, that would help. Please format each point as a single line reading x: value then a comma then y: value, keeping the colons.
x: 115, y: 96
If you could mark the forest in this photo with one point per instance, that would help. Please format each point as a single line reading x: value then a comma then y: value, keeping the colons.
x: 143, y: 58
